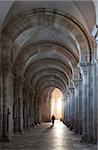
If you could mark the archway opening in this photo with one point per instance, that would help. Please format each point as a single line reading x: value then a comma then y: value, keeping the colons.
x: 57, y: 107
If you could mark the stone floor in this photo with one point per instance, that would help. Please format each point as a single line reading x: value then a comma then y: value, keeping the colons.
x: 45, y: 137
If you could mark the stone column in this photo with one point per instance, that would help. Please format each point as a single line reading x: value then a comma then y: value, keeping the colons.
x: 7, y: 101
x: 95, y: 102
x: 26, y: 106
x: 15, y: 106
x: 90, y: 102
x: 95, y: 125
x: 68, y: 109
x: 95, y: 75
x: 87, y: 102
x: 1, y: 104
x: 80, y: 106
x: 18, y: 105
x: 20, y: 108
x: 40, y: 110
x: 31, y: 107
x: 77, y: 119
x: 5, y: 133
x: 46, y: 105
x: 65, y: 109
x: 36, y: 109
x: 72, y: 93
x: 84, y: 103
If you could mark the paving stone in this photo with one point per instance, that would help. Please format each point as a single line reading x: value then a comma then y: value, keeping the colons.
x: 45, y: 137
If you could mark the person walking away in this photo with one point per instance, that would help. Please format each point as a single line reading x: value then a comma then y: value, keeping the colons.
x: 53, y: 119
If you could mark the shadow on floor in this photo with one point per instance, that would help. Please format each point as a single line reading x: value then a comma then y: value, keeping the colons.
x: 48, y: 129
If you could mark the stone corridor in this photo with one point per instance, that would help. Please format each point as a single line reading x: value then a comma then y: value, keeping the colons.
x: 44, y: 46
x: 45, y: 137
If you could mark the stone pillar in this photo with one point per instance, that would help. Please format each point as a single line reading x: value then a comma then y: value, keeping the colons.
x: 80, y: 106
x: 18, y: 105
x: 77, y: 119
x: 40, y: 110
x: 84, y: 103
x: 95, y: 125
x: 36, y: 109
x: 1, y: 104
x: 87, y: 102
x: 68, y: 110
x: 7, y: 101
x: 95, y: 103
x: 15, y: 106
x: 95, y: 76
x: 5, y: 133
x: 90, y: 102
x: 65, y: 109
x: 26, y: 106
x: 31, y: 107
x: 72, y: 93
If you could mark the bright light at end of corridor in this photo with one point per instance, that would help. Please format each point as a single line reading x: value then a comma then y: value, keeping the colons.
x: 57, y: 103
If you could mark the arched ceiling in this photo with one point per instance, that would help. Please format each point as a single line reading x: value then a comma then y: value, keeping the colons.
x: 45, y: 40
x: 78, y: 9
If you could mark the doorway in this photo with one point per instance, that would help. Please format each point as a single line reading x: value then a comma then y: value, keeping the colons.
x: 57, y: 104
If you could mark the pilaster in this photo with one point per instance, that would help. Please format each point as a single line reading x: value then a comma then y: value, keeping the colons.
x: 72, y: 111
x: 87, y: 101
x: 78, y: 106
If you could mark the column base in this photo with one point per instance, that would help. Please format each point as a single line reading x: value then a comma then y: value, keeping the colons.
x: 21, y: 131
x: 80, y: 131
x: 95, y: 140
x: 75, y: 130
x: 88, y: 139
x: 5, y: 139
x: 71, y: 127
x: 15, y: 131
x: 83, y: 138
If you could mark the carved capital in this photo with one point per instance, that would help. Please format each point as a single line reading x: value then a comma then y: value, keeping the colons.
x: 76, y: 82
x: 71, y: 89
x: 96, y: 62
x: 95, y: 32
x: 26, y: 84
x: 83, y: 68
x: 6, y: 69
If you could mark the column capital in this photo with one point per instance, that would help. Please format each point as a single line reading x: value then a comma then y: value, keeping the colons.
x: 76, y: 82
x: 95, y: 32
x: 18, y: 79
x: 71, y: 89
x: 26, y: 84
x: 96, y: 62
x: 7, y: 67
x: 85, y: 66
x: 67, y: 93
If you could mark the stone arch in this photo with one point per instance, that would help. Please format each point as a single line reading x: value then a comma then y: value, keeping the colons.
x: 49, y: 79
x: 49, y: 17
x: 51, y: 73
x: 53, y: 85
x: 29, y: 54
x: 54, y: 64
